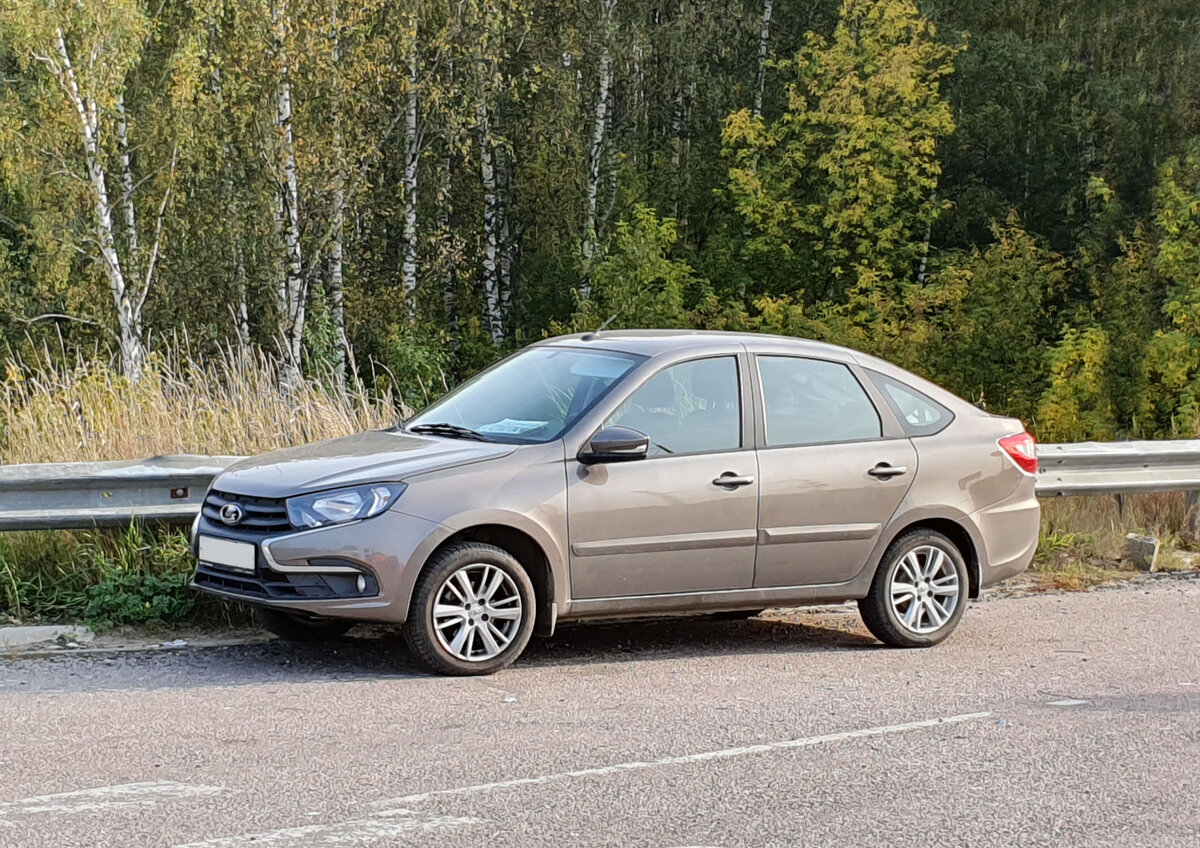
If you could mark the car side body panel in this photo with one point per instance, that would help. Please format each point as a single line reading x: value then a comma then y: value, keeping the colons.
x: 821, y: 512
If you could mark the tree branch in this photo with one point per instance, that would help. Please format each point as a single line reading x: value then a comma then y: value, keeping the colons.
x: 158, y: 227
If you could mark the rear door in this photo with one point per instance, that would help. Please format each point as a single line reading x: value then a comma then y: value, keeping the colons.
x: 666, y: 524
x: 831, y: 473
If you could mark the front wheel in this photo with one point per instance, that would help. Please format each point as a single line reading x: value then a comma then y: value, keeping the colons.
x: 298, y: 627
x: 919, y: 592
x: 472, y: 611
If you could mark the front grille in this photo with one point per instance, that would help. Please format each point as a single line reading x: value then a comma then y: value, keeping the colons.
x: 262, y: 515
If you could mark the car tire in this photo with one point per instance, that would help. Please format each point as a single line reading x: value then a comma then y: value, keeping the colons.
x: 919, y: 592
x: 298, y: 627
x: 455, y: 626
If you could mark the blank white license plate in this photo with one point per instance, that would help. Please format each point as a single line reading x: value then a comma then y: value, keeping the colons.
x: 227, y: 553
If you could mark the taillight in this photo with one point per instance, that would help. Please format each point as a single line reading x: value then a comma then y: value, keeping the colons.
x: 1021, y: 449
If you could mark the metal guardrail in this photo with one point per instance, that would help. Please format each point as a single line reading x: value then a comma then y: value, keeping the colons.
x: 170, y: 488
x: 1118, y: 468
x: 105, y: 494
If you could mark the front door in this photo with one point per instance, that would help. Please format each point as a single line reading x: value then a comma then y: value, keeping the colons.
x: 667, y: 523
x: 830, y: 481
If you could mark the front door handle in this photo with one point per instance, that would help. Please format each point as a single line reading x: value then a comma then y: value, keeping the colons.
x: 730, y: 480
x: 883, y: 471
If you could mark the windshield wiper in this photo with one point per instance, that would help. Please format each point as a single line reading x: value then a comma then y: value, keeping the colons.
x: 450, y: 431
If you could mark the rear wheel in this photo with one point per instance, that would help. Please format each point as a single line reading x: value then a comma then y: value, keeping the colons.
x: 919, y: 592
x: 298, y: 627
x: 472, y: 611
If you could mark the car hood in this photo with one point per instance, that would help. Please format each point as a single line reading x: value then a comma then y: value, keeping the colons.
x: 372, y: 457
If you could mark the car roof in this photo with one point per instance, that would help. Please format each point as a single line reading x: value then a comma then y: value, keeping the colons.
x: 653, y: 342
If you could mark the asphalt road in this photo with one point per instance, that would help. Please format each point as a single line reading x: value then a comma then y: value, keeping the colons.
x: 1050, y: 720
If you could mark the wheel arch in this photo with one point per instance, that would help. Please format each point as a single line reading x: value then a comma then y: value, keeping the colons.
x: 957, y: 532
x: 527, y: 551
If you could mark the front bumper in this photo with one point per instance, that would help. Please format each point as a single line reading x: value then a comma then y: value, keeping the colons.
x: 361, y: 570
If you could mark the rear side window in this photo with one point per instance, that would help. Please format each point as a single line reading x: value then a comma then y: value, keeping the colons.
x: 919, y: 414
x: 812, y: 402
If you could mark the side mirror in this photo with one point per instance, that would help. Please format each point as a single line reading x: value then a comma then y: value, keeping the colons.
x: 615, y: 444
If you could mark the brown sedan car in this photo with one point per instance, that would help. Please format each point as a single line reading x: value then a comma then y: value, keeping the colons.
x: 633, y: 473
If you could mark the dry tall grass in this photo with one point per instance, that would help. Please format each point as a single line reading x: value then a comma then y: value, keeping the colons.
x: 1083, y: 539
x: 229, y: 403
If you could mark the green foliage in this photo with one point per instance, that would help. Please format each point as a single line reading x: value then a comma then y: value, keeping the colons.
x: 105, y: 578
x: 133, y: 599
x: 1171, y: 404
x: 418, y: 362
x: 843, y: 183
x: 994, y: 336
x: 1077, y: 406
x: 636, y: 283
x: 1000, y: 194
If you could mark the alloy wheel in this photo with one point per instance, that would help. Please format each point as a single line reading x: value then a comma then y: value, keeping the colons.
x: 477, y: 612
x: 925, y: 589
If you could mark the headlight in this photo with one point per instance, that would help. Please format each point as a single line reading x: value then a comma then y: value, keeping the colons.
x: 342, y: 505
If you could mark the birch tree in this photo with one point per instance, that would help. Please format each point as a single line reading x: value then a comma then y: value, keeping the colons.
x: 764, y: 45
x: 491, y: 21
x: 412, y: 154
x: 291, y: 293
x: 87, y: 52
x: 597, y: 148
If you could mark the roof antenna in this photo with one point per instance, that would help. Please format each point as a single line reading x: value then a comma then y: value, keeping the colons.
x: 587, y: 337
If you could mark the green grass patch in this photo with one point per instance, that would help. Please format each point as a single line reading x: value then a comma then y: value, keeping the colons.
x: 105, y: 578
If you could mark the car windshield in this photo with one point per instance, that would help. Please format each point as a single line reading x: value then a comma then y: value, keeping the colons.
x: 533, y: 396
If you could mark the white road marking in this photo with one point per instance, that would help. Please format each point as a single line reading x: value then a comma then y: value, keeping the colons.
x: 1067, y: 702
x: 722, y: 754
x: 365, y: 831
x: 105, y: 798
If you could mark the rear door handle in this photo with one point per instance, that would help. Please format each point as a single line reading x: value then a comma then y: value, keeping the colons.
x: 730, y: 480
x: 883, y: 471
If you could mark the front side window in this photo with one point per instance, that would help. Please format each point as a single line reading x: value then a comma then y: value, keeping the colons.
x: 692, y: 407
x: 534, y: 396
x: 812, y: 402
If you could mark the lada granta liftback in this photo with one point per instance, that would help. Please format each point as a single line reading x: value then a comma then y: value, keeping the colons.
x: 633, y: 473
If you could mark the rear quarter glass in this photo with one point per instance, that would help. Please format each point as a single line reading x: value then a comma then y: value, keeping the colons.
x: 919, y: 414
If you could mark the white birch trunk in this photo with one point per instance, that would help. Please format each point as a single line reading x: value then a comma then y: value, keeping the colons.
x: 923, y: 268
x: 292, y: 288
x: 596, y: 151
x: 503, y: 186
x: 241, y: 316
x: 411, y: 161
x: 685, y: 145
x: 337, y: 291
x: 128, y: 307
x: 764, y: 43
x: 131, y: 228
x: 490, y: 270
x: 449, y: 252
